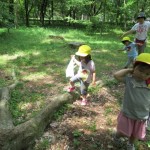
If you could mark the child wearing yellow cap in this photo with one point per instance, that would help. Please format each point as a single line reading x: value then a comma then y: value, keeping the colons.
x: 135, y: 109
x: 86, y: 73
x: 130, y: 48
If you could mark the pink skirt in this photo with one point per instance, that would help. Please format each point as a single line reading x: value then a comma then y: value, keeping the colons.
x: 128, y: 127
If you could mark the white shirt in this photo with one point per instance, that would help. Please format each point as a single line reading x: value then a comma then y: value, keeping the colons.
x: 141, y: 30
x: 90, y: 67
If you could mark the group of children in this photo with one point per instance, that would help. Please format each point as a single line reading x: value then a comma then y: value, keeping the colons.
x: 134, y: 113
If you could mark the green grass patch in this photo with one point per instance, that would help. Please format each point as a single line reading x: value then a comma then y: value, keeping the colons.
x: 40, y: 61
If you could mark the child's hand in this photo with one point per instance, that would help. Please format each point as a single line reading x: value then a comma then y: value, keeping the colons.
x: 93, y: 83
x: 130, y: 70
x: 140, y: 44
x: 72, y: 56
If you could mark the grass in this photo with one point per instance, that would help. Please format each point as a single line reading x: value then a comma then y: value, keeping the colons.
x: 35, y: 56
x: 40, y: 64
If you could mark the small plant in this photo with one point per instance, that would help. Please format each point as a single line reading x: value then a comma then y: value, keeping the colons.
x: 148, y: 144
x: 109, y: 121
x: 42, y: 145
x: 76, y: 142
x: 61, y: 111
x: 77, y: 133
x: 92, y: 126
x: 111, y: 83
x: 108, y: 111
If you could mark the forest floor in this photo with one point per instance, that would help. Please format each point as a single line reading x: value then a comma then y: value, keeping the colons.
x: 88, y: 127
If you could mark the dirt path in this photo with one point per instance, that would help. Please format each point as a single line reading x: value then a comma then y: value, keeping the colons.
x: 85, y: 127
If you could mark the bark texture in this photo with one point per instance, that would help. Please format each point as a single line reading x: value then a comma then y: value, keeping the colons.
x: 22, y: 137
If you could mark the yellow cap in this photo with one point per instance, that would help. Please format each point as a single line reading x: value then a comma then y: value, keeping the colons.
x: 126, y: 39
x: 143, y: 57
x: 83, y: 50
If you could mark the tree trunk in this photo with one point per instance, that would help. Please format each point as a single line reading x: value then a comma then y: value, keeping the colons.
x: 11, y: 10
x: 43, y: 11
x: 22, y: 137
x: 26, y: 5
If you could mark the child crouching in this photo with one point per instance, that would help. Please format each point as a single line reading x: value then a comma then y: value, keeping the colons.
x: 86, y: 73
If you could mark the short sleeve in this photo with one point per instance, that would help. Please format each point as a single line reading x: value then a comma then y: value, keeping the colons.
x: 92, y: 67
x: 134, y: 28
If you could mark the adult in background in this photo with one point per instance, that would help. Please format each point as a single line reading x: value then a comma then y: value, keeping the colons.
x: 140, y: 28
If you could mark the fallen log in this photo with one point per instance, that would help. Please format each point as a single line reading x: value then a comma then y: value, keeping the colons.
x: 22, y: 137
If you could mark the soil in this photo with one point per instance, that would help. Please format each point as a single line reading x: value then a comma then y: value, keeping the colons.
x: 88, y: 127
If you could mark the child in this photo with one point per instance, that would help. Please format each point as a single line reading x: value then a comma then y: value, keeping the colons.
x: 136, y: 103
x: 86, y: 73
x: 141, y: 29
x: 130, y: 48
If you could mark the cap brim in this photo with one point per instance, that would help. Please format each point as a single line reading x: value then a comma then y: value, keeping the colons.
x: 125, y: 40
x: 141, y: 17
x: 81, y: 54
x: 142, y: 62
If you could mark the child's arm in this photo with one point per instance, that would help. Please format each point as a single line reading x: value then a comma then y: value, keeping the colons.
x: 139, y: 44
x: 94, y: 78
x: 119, y: 75
x: 76, y: 61
x: 126, y: 33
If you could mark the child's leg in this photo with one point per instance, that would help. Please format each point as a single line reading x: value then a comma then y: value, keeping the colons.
x: 84, y: 89
x: 141, y: 48
x: 132, y: 140
x: 128, y: 63
x: 148, y: 123
x: 119, y: 140
x: 72, y: 82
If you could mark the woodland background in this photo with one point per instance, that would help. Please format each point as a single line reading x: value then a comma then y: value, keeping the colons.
x: 98, y: 14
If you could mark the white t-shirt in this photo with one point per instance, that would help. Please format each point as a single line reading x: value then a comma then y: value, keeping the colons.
x: 90, y: 67
x: 141, y: 30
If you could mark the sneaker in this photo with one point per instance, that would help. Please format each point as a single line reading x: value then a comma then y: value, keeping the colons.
x: 71, y: 89
x: 130, y: 147
x: 84, y: 102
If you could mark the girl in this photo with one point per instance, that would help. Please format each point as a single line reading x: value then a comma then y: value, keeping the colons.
x: 86, y: 73
x: 136, y: 104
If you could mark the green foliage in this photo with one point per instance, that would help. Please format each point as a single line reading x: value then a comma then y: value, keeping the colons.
x: 76, y: 142
x: 37, y: 57
x: 5, y: 15
x: 22, y: 102
x: 61, y: 111
x: 77, y: 133
x: 108, y: 111
x: 111, y: 82
x: 42, y: 145
x: 92, y: 126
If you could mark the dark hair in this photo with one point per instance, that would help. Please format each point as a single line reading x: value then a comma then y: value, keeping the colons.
x: 141, y: 65
x: 126, y: 41
x: 87, y: 58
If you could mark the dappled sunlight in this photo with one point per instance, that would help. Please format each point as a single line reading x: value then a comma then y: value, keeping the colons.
x: 27, y: 106
x: 105, y: 42
x: 40, y: 57
x: 34, y: 76
x: 8, y: 57
x: 100, y: 51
